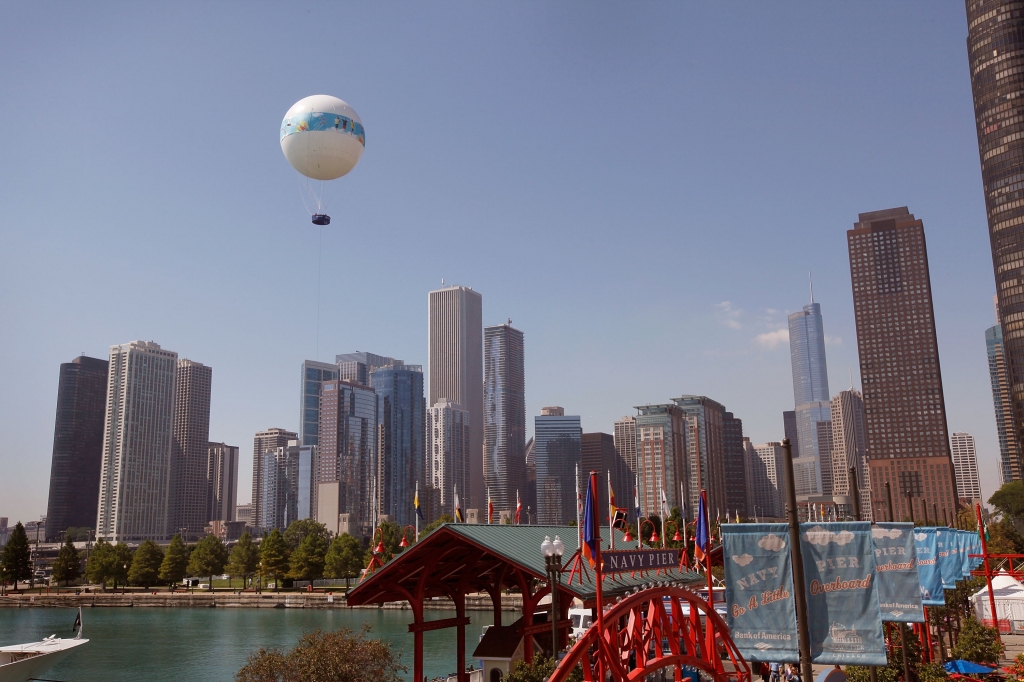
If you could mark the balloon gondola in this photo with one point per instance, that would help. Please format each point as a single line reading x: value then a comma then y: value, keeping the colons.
x: 321, y: 219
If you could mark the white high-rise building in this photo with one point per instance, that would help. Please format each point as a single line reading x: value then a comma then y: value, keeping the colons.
x: 849, y: 448
x: 456, y: 346
x: 447, y: 450
x: 965, y: 466
x: 136, y: 472
x: 765, y: 484
x: 625, y: 440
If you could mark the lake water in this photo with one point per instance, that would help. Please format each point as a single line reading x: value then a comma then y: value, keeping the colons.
x: 212, y: 644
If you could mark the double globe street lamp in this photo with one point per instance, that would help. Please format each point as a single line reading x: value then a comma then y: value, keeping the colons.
x: 552, y: 551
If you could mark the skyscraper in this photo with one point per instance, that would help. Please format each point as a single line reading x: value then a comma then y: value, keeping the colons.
x: 222, y: 481
x: 705, y: 447
x: 447, y: 468
x: 849, y: 447
x: 811, y: 400
x: 77, y: 446
x: 625, y: 441
x: 314, y: 374
x: 287, y: 493
x: 135, y: 476
x: 1010, y: 468
x: 965, y: 463
x: 400, y: 393
x: 735, y: 465
x: 504, y: 415
x: 995, y: 50
x: 766, y: 484
x: 456, y: 370
x: 905, y: 412
x: 356, y: 367
x: 190, y: 493
x: 598, y: 453
x: 262, y: 443
x: 347, y: 453
x: 662, y: 463
x: 557, y: 448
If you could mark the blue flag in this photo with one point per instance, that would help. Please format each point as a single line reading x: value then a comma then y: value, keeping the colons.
x: 702, y: 535
x: 590, y: 523
x: 759, y: 591
x: 949, y: 568
x: 932, y: 593
x: 845, y: 622
x: 899, y: 594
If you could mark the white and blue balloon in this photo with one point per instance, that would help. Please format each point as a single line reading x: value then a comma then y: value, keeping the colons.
x: 323, y: 139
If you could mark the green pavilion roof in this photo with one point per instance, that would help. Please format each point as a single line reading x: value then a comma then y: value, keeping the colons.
x: 470, y: 556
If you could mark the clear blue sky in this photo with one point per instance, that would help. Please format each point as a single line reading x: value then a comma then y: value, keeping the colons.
x: 642, y: 188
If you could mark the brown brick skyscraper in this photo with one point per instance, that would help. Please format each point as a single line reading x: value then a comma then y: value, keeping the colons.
x: 995, y: 49
x: 905, y: 412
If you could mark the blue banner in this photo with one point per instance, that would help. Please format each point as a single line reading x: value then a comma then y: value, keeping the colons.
x: 899, y: 586
x: 932, y: 593
x: 949, y: 569
x: 845, y: 622
x: 759, y: 591
x: 965, y: 549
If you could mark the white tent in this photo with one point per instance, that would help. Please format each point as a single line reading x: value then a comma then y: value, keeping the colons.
x: 1009, y: 596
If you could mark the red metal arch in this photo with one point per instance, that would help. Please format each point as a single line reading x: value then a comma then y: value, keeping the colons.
x: 651, y: 630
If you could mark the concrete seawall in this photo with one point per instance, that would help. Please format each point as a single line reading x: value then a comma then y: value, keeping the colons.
x: 247, y: 600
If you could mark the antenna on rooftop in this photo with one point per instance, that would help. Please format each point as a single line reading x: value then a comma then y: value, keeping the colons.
x: 851, y: 378
x: 811, y: 280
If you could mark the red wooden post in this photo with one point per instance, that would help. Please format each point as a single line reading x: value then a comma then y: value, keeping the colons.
x: 988, y: 572
x: 460, y: 630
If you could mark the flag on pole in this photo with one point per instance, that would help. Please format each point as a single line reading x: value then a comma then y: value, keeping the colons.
x: 458, y: 509
x: 519, y: 507
x: 737, y: 516
x: 590, y: 522
x: 664, y: 506
x: 416, y: 503
x: 636, y: 498
x: 490, y: 508
x: 702, y: 536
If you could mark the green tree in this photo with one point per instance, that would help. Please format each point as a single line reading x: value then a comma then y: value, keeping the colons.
x: 539, y: 671
x: 344, y: 559
x: 436, y: 523
x: 321, y: 656
x: 100, y: 566
x: 274, y: 557
x: 16, y: 561
x: 67, y: 566
x: 145, y: 569
x: 1009, y: 499
x: 172, y: 568
x: 208, y: 558
x: 307, y: 561
x: 244, y: 559
x: 977, y: 643
x: 120, y: 564
x: 298, y: 531
x: 931, y: 672
x: 78, y: 533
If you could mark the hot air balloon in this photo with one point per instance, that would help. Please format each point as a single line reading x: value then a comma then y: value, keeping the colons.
x: 322, y: 138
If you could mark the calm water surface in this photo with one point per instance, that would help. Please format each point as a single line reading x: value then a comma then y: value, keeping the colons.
x: 212, y: 644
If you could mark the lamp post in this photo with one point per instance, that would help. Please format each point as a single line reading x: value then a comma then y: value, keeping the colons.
x: 552, y: 551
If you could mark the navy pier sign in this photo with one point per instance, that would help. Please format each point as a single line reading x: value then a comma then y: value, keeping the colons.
x: 618, y: 561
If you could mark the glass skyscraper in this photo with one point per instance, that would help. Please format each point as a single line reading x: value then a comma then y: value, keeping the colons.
x: 400, y: 394
x: 557, y: 449
x: 347, y: 452
x: 314, y: 374
x: 811, y: 398
x: 1009, y: 454
x: 504, y: 415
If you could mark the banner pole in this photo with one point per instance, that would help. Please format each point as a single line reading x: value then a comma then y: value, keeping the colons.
x: 988, y: 574
x: 858, y: 515
x: 799, y: 589
x: 888, y: 497
x: 611, y: 513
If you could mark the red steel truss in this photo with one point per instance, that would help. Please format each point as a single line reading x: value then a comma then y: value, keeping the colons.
x: 653, y: 629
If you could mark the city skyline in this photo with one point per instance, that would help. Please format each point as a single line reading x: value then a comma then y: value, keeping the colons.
x: 711, y: 337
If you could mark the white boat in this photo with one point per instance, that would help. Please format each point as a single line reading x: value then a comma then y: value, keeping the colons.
x: 22, y: 662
